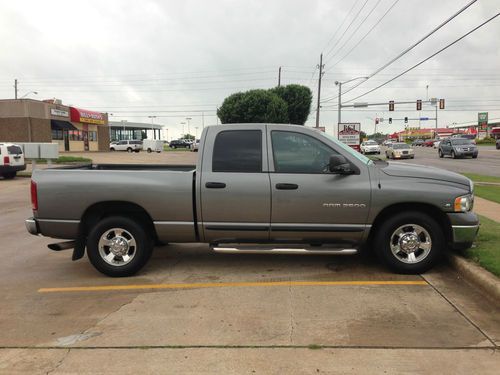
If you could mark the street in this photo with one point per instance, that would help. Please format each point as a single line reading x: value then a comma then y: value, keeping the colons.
x: 191, y: 310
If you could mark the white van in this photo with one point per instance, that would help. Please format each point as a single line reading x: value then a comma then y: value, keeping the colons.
x: 151, y: 145
x: 11, y: 160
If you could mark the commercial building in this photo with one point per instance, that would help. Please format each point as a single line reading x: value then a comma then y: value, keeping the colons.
x: 74, y: 129
x: 125, y: 130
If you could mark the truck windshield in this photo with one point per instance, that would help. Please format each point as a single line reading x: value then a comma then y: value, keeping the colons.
x: 350, y: 150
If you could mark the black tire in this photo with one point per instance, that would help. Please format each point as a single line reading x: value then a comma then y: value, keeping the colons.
x: 173, y: 147
x: 149, y: 150
x: 474, y: 156
x: 129, y: 149
x: 111, y: 149
x: 440, y: 153
x: 453, y: 155
x: 141, y: 252
x: 386, y: 231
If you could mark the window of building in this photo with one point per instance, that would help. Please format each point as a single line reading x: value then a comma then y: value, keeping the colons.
x: 92, y: 136
x: 57, y: 134
x: 238, y: 151
x: 299, y: 153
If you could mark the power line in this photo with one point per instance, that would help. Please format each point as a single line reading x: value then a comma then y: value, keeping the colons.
x: 364, y: 36
x: 348, y: 27
x: 342, y: 24
x: 354, y: 32
x: 428, y: 58
x: 411, y: 47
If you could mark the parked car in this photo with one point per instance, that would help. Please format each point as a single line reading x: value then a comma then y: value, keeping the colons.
x: 370, y: 147
x: 195, y: 145
x: 399, y: 150
x: 498, y: 144
x: 436, y: 143
x: 418, y: 142
x: 128, y: 146
x: 180, y: 143
x: 387, y: 142
x: 152, y: 145
x: 457, y: 148
x: 11, y: 160
x: 429, y: 143
x: 257, y: 188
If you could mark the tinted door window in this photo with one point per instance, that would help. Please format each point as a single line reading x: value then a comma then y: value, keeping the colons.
x: 238, y: 151
x: 299, y: 153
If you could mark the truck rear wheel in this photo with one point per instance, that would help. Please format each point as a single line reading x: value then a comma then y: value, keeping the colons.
x: 119, y: 246
x: 410, y: 242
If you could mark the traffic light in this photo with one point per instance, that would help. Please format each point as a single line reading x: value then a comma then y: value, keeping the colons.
x: 390, y: 120
x: 391, y: 105
x: 441, y: 103
x: 376, y: 121
x: 419, y: 105
x: 406, y: 120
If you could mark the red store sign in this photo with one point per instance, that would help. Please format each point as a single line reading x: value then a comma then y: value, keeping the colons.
x: 85, y: 116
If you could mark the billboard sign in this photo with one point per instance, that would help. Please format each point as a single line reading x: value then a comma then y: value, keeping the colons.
x: 349, y: 133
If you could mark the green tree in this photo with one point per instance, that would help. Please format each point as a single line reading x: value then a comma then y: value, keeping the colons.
x: 187, y: 136
x: 254, y: 106
x: 299, y: 100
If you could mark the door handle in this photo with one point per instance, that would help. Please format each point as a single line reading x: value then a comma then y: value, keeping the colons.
x: 283, y: 186
x: 215, y: 185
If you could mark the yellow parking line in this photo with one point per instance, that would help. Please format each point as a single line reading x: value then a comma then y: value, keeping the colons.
x: 226, y: 284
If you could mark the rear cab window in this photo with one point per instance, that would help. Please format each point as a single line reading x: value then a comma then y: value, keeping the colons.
x: 238, y: 151
x: 14, y: 150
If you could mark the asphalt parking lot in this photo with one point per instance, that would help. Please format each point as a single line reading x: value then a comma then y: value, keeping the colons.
x: 191, y: 310
x: 487, y: 162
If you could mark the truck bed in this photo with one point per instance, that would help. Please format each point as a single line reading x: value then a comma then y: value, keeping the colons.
x: 132, y: 167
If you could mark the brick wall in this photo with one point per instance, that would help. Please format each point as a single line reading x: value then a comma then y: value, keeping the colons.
x: 103, y: 137
x: 15, y: 129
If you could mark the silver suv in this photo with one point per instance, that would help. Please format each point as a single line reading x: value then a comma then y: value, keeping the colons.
x: 128, y: 146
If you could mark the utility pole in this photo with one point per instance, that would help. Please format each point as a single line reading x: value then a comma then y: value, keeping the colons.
x: 320, y: 66
x: 203, y: 120
x: 15, y: 88
x: 279, y: 77
x: 340, y: 103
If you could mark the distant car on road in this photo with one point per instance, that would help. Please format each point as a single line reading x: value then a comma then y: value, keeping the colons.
x: 180, y: 143
x: 418, y: 142
x: 498, y: 144
x: 399, y: 150
x: 389, y: 141
x: 458, y: 147
x: 11, y: 160
x: 370, y: 147
x: 429, y: 143
x: 128, y: 146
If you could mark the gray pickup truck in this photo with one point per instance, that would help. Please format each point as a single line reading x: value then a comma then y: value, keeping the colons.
x: 256, y: 188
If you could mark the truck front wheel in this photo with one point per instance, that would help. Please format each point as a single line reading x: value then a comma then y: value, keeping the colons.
x: 119, y: 246
x: 410, y: 242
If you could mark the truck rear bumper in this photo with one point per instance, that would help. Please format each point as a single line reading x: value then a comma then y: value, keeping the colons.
x: 32, y: 226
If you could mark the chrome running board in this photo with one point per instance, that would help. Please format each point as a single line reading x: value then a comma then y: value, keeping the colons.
x: 256, y: 249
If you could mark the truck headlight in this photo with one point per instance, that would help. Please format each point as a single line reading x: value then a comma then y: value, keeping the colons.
x: 465, y: 203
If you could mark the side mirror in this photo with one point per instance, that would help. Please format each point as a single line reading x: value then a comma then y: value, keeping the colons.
x: 339, y: 165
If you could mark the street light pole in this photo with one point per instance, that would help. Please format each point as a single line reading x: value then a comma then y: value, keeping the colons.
x: 30, y: 92
x: 152, y: 129
x: 195, y: 132
x: 339, y: 84
x: 183, y: 132
x: 188, y: 118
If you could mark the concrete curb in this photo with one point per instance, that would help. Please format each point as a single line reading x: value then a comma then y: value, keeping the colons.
x: 476, y: 275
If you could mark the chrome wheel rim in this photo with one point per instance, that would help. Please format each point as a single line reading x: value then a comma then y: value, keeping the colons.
x: 410, y: 243
x: 117, y: 247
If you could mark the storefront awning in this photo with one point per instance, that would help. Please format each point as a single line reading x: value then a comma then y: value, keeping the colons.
x: 61, y: 125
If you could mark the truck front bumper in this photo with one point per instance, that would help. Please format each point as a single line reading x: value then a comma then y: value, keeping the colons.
x: 32, y: 226
x: 464, y: 229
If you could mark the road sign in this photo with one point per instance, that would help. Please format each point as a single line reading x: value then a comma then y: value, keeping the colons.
x: 349, y: 133
x: 424, y: 118
x: 391, y: 105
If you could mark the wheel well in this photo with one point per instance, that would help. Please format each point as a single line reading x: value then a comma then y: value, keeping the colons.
x: 428, y: 209
x: 101, y: 210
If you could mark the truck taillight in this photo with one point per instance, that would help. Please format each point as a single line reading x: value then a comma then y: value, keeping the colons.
x: 6, y: 160
x: 34, y: 196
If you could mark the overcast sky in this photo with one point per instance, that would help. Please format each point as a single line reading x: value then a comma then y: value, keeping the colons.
x: 178, y: 59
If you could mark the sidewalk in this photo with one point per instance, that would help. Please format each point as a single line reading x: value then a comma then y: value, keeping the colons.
x: 487, y: 208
